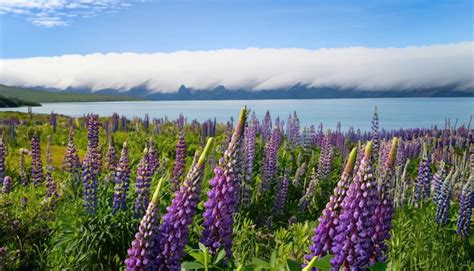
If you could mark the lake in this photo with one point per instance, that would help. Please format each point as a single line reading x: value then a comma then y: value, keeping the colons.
x: 394, y: 112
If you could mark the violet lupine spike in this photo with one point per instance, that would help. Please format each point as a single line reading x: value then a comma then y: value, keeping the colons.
x: 142, y: 185
x: 423, y: 184
x: 50, y: 185
x: 90, y: 182
x: 2, y: 158
x: 180, y: 160
x: 438, y: 180
x: 249, y: 156
x: 444, y: 200
x: 36, y: 163
x: 71, y: 163
x: 325, y: 157
x: 266, y: 128
x: 121, y: 180
x: 7, y: 185
x: 173, y: 232
x: 385, y: 208
x: 299, y: 174
x: 22, y: 166
x: 153, y: 156
x: 53, y: 121
x: 269, y: 166
x: 281, y: 195
x: 325, y: 232
x: 221, y: 203
x: 466, y: 204
x: 115, y: 122
x: 375, y: 134
x: 142, y: 253
x: 353, y: 244
x: 111, y: 160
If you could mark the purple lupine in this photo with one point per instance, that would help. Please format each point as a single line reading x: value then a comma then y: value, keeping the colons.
x: 7, y: 185
x: 22, y: 166
x: 325, y: 158
x: 180, y: 160
x: 221, y: 203
x: 53, y: 120
x: 2, y: 158
x: 115, y: 122
x: 153, y: 156
x: 141, y: 254
x: 124, y: 121
x: 111, y: 159
x: 280, y: 197
x: 325, y: 232
x: 50, y: 185
x: 146, y: 122
x: 385, y: 209
x: 24, y: 202
x: 438, y: 180
x: 173, y: 232
x: 122, y: 180
x: 423, y: 184
x: 249, y: 156
x: 269, y: 166
x: 142, y: 184
x: 266, y: 128
x: 71, y: 161
x: 353, y: 244
x: 36, y: 163
x: 91, y: 165
x: 375, y: 134
x: 444, y: 198
x: 466, y: 203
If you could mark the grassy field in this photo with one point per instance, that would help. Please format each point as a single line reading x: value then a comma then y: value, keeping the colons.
x: 31, y: 95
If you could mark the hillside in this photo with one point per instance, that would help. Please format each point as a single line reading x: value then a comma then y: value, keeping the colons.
x: 14, y: 102
x: 40, y: 96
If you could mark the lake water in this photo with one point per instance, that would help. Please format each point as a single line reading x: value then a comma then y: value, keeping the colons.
x: 394, y: 113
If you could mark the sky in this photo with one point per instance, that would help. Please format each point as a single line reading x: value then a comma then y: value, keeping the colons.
x: 202, y: 44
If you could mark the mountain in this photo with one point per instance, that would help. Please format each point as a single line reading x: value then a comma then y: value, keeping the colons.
x: 43, y: 96
x: 14, y: 102
x: 222, y: 93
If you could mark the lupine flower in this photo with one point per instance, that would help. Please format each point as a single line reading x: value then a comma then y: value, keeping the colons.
x: 71, y: 161
x: 36, y: 163
x: 375, y: 135
x: 50, y: 185
x: 444, y: 198
x: 384, y: 209
x: 269, y: 166
x: 180, y: 161
x: 115, y: 122
x: 91, y: 165
x: 7, y: 185
x: 249, y: 156
x: 221, y: 204
x: 466, y: 203
x: 142, y: 184
x: 122, y: 180
x: 325, y: 232
x: 325, y: 158
x: 153, y: 156
x: 93, y: 142
x: 24, y: 202
x: 173, y: 232
x: 141, y: 254
x: 22, y: 166
x: 266, y: 128
x: 280, y: 197
x: 2, y: 158
x: 353, y: 244
x: 438, y: 180
x: 423, y: 184
x: 111, y: 160
x: 146, y: 122
x: 53, y: 121
x: 299, y: 174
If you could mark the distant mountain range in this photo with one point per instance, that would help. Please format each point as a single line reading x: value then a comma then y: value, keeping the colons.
x: 222, y: 93
x: 295, y: 92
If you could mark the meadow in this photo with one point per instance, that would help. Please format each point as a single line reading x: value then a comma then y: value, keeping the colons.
x: 111, y: 193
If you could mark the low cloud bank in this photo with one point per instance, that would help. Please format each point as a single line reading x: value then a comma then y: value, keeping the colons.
x: 252, y: 69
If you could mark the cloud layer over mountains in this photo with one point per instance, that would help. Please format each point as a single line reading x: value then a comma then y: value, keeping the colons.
x: 252, y: 69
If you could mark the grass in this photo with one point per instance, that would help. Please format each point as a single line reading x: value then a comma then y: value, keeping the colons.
x: 39, y: 96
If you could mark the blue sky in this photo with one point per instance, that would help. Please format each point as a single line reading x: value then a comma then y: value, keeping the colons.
x: 164, y: 26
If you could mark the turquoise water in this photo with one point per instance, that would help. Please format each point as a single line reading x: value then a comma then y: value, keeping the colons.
x: 394, y: 112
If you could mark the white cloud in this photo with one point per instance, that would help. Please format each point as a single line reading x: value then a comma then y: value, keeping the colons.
x: 255, y: 69
x: 51, y: 13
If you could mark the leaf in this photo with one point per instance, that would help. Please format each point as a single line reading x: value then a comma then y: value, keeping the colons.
x: 380, y: 266
x: 259, y: 264
x: 219, y: 256
x: 293, y: 265
x: 322, y: 264
x: 191, y: 265
x: 202, y: 247
x: 197, y: 255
